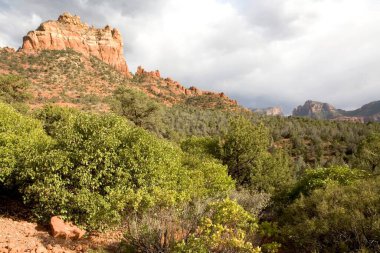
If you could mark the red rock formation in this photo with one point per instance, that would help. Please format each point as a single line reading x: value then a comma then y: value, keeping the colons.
x: 155, y: 90
x: 175, y: 87
x: 63, y: 229
x: 153, y: 74
x: 195, y: 91
x: 7, y: 50
x: 69, y: 32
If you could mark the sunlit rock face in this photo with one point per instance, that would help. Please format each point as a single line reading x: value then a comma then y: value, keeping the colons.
x: 68, y: 32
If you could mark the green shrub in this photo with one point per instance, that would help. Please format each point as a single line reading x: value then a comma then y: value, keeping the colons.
x: 368, y: 155
x: 337, y: 218
x: 225, y: 227
x: 245, y: 152
x: 321, y: 177
x: 136, y: 106
x: 104, y: 158
x: 209, y: 177
x: 92, y: 168
x: 202, y: 146
x: 244, y: 148
x: 21, y: 139
x: 13, y: 89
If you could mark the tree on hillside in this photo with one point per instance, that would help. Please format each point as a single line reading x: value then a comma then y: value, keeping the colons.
x: 245, y: 152
x: 244, y: 147
x: 136, y: 106
x: 13, y: 89
x: 368, y: 157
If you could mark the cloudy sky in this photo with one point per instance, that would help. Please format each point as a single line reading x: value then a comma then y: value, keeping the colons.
x: 260, y: 52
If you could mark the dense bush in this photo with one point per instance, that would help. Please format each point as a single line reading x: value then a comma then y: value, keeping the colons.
x: 13, y: 89
x: 321, y: 177
x: 246, y: 153
x: 137, y: 107
x: 210, y: 177
x: 202, y: 146
x: 92, y: 168
x: 225, y: 227
x: 337, y: 218
x: 368, y: 155
x: 21, y: 139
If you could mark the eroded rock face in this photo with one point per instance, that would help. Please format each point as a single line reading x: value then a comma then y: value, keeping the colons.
x: 152, y: 74
x: 69, y: 32
x: 63, y: 229
x: 316, y: 110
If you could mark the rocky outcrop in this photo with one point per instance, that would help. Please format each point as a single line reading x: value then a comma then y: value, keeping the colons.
x: 68, y: 32
x: 8, y: 50
x: 270, y: 111
x: 316, y: 110
x: 195, y: 90
x: 59, y: 228
x: 160, y: 86
x: 141, y: 72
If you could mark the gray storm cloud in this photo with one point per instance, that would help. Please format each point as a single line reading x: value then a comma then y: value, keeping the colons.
x: 261, y: 52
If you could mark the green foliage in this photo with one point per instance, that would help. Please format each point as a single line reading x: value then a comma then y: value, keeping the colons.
x: 92, y: 168
x: 245, y: 152
x: 186, y: 121
x: 136, y: 106
x: 252, y: 201
x: 13, y: 89
x: 83, y: 170
x: 321, y: 177
x: 201, y: 146
x: 225, y: 227
x: 21, y: 138
x: 95, y: 169
x: 275, y: 174
x: 337, y: 218
x: 210, y: 177
x: 104, y: 158
x: 368, y: 156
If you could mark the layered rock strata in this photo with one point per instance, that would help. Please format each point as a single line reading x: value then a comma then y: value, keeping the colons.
x: 68, y: 32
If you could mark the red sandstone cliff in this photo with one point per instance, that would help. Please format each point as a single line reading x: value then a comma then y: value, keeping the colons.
x: 69, y: 32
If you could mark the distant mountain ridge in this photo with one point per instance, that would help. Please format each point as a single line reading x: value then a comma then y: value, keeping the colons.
x: 318, y: 110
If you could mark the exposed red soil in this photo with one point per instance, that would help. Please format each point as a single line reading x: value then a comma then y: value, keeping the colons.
x: 19, y: 233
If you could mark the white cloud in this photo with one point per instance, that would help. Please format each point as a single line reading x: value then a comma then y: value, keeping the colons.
x: 262, y: 52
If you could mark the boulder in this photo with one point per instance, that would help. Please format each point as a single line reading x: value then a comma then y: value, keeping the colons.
x: 59, y: 228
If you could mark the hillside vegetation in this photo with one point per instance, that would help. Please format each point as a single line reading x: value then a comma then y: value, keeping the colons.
x: 66, y: 77
x: 199, y: 175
